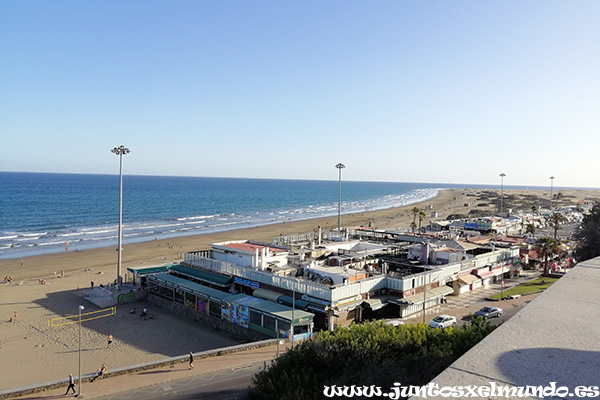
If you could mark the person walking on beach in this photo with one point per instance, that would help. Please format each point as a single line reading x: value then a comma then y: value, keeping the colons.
x: 110, y: 340
x: 71, y: 385
x: 191, y: 361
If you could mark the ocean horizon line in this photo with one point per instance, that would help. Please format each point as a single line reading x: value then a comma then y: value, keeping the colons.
x: 451, y: 185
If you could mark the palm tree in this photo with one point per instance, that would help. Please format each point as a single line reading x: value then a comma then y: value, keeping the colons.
x: 547, y: 246
x: 415, y: 212
x: 556, y: 220
x: 530, y: 228
x: 413, y: 225
x: 534, y: 210
x: 422, y: 215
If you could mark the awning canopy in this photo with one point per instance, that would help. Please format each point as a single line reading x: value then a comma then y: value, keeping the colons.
x: 485, y: 274
x: 316, y: 308
x: 298, y: 304
x: 501, y: 270
x: 418, y: 298
x: 194, y: 273
x: 266, y: 295
x: 467, y: 279
x: 374, y: 304
x: 148, y: 270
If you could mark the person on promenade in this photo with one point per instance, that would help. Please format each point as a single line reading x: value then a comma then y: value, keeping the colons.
x: 99, y: 373
x: 144, y: 314
x: 191, y: 361
x: 71, y: 385
x: 110, y: 340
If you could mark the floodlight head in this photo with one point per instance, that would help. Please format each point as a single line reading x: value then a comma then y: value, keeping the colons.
x: 121, y: 150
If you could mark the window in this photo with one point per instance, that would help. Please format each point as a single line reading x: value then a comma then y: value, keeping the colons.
x: 283, y: 326
x: 215, y: 309
x: 255, y: 318
x: 300, y: 329
x: 178, y: 298
x: 269, y: 322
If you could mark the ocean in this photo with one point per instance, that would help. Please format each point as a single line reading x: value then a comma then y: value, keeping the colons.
x: 44, y: 212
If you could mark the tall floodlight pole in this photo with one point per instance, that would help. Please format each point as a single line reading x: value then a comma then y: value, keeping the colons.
x: 340, y: 166
x: 502, y: 175
x: 79, y: 388
x: 120, y: 151
x: 551, y: 195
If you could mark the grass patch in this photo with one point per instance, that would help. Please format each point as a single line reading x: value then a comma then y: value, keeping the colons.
x: 535, y: 285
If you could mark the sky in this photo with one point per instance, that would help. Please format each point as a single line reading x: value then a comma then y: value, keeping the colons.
x: 400, y: 91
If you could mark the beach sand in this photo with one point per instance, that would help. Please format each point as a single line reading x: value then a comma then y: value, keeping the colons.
x: 32, y: 352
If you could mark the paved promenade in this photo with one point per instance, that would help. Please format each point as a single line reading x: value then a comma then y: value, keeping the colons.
x: 163, y: 374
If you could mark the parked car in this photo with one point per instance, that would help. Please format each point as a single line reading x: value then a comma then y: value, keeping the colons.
x: 443, y: 322
x: 489, y: 312
x: 394, y: 322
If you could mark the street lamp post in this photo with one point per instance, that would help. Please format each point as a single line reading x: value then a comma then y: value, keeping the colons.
x: 340, y: 166
x: 502, y: 175
x: 424, y: 295
x: 551, y: 194
x: 120, y: 151
x: 79, y: 389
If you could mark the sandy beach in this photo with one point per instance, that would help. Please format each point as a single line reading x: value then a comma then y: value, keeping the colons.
x: 32, y: 352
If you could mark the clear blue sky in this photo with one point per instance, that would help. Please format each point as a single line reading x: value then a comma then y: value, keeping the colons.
x: 413, y: 91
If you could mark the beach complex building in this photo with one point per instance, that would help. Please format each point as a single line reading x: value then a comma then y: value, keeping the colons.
x: 281, y: 291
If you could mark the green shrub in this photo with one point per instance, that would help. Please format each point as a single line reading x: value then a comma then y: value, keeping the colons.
x: 366, y: 354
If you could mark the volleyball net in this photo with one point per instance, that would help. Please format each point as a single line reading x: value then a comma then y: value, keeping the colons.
x: 88, y: 316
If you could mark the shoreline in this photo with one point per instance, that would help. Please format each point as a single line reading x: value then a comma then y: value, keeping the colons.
x: 76, y: 246
x: 164, y: 250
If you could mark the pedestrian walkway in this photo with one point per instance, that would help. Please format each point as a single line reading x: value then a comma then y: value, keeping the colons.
x: 124, y: 382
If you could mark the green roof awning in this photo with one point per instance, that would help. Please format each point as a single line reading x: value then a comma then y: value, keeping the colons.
x: 267, y: 294
x: 168, y: 280
x: 148, y: 270
x: 194, y: 273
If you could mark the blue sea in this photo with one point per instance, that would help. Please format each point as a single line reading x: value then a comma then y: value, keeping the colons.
x: 42, y: 212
